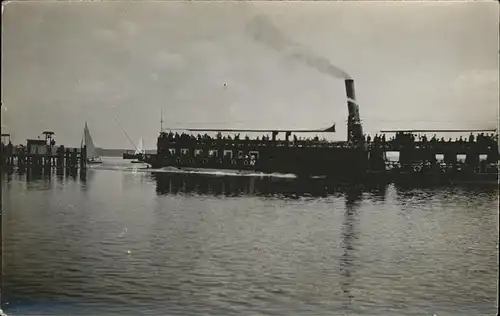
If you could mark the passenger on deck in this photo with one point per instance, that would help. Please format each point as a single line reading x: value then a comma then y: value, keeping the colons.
x: 471, y: 138
x: 492, y: 140
x: 480, y: 139
x: 424, y: 141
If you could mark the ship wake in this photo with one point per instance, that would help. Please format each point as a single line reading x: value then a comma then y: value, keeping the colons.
x: 224, y: 172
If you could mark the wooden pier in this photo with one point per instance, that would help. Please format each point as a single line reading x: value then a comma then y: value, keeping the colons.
x: 40, y: 154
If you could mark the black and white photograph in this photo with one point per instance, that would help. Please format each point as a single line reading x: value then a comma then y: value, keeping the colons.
x: 249, y: 158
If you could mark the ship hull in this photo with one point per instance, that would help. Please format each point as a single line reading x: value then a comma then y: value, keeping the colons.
x: 94, y: 161
x: 350, y: 173
x: 341, y: 164
x: 129, y: 156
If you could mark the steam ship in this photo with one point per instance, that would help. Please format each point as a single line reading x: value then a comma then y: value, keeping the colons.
x: 351, y: 160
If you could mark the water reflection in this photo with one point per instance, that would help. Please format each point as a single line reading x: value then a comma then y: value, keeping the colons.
x: 360, y: 248
x: 171, y: 183
x: 133, y: 178
x: 256, y: 186
x: 86, y: 178
x: 42, y: 179
x: 71, y: 172
x: 7, y: 173
x: 33, y: 175
x: 60, y: 175
x: 349, y: 237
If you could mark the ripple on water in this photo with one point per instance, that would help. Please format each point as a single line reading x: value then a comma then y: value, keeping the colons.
x: 171, y: 245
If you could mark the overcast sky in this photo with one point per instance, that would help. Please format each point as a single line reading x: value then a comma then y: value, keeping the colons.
x: 415, y: 65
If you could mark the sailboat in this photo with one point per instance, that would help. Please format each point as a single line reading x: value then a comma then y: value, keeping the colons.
x: 92, y: 156
x: 139, y: 152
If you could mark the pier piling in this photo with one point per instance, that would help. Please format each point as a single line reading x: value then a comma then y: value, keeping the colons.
x: 39, y: 156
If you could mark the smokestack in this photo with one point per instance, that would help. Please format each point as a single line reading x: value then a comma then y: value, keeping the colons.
x: 354, y: 128
x: 351, y: 97
x: 349, y: 88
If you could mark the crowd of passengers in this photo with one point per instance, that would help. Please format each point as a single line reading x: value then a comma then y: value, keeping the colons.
x: 400, y: 139
x: 189, y: 138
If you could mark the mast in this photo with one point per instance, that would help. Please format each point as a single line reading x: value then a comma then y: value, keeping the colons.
x: 124, y: 132
x: 161, y: 120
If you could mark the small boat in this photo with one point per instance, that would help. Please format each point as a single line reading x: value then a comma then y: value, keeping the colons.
x: 139, y: 152
x: 92, y: 156
x: 128, y: 155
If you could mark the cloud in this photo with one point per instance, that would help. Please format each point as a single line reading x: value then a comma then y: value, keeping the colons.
x: 91, y: 86
x: 477, y: 78
x: 165, y: 59
x: 129, y: 28
x: 106, y: 34
x: 475, y: 97
x: 479, y: 87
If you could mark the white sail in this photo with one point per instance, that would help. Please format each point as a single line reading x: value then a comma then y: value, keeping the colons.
x: 140, y: 149
x: 91, y: 150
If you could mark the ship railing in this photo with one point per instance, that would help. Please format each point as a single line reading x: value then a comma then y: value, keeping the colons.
x: 441, y: 166
x: 447, y: 146
x: 255, y: 143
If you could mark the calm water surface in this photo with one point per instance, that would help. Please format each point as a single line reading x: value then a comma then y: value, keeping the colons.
x: 126, y: 242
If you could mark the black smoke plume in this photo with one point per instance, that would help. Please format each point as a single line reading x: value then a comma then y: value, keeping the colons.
x: 265, y: 32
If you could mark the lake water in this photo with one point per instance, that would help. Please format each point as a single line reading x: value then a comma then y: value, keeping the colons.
x: 124, y: 241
